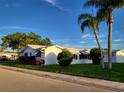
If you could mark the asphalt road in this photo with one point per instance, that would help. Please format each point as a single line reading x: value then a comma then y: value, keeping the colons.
x: 12, y: 81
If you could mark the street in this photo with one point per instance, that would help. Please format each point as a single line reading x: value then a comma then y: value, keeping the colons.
x: 11, y: 81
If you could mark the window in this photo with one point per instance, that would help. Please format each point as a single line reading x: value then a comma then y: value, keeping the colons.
x: 38, y: 54
x: 30, y: 54
x: 26, y: 54
x: 75, y: 57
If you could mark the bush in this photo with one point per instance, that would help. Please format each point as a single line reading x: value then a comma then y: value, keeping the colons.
x: 65, y: 58
x: 95, y: 55
x: 22, y: 59
x: 28, y: 60
x: 31, y: 60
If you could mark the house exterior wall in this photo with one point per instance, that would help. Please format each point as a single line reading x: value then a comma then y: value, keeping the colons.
x: 29, y: 51
x: 86, y: 61
x: 82, y: 61
x: 51, y: 54
x: 120, y: 53
x: 114, y: 60
x: 118, y: 57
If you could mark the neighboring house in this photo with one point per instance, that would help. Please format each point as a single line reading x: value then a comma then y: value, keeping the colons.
x: 117, y: 56
x: 9, y: 55
x: 85, y: 56
x: 33, y: 50
x: 76, y: 53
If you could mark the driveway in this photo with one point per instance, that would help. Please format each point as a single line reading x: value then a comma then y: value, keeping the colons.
x: 12, y: 81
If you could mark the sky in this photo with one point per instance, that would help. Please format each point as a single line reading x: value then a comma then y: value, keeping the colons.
x: 57, y: 19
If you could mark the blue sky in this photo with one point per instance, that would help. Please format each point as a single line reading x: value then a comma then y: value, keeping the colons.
x: 56, y: 19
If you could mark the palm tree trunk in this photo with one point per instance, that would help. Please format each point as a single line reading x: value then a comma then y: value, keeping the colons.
x: 110, y: 40
x: 100, y: 48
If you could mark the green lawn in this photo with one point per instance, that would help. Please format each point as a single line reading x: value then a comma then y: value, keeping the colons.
x: 85, y: 70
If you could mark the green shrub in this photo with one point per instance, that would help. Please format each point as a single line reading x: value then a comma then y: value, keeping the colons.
x: 65, y: 58
x: 95, y: 55
x: 28, y: 60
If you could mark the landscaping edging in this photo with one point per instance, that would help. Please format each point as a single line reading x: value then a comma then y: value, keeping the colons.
x: 114, y: 86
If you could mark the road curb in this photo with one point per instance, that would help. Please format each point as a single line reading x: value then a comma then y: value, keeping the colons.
x: 114, y: 86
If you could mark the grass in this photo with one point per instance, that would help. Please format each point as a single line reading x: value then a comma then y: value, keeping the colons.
x: 85, y: 70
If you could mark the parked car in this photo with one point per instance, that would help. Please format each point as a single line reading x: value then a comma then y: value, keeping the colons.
x: 31, y: 60
x: 40, y: 62
x: 13, y: 57
x: 3, y: 58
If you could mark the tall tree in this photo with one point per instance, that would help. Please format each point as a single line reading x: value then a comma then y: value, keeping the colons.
x: 19, y: 40
x: 33, y: 38
x: 107, y: 6
x: 15, y: 41
x: 46, y: 42
x: 92, y: 22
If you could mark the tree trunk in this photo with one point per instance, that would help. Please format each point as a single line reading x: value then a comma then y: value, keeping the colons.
x: 110, y: 20
x: 100, y: 48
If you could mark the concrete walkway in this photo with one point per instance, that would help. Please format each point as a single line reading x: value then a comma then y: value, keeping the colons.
x: 96, y: 83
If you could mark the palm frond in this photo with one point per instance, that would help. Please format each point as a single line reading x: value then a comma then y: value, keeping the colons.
x: 83, y: 17
x: 85, y: 24
x: 95, y: 3
x: 102, y: 14
x: 89, y: 21
x: 105, y: 3
x: 117, y: 3
x: 98, y: 26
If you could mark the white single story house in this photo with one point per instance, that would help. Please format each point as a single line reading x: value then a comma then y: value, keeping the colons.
x: 48, y: 54
x: 78, y: 53
x: 117, y: 56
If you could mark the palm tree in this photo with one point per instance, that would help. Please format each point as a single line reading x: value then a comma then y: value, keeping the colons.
x: 87, y: 20
x: 107, y: 6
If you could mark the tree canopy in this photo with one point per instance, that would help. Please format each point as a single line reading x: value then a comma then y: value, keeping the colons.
x: 18, y: 40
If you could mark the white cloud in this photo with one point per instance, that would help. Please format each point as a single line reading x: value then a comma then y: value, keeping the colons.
x: 55, y: 4
x: 86, y: 36
x: 117, y: 40
x: 116, y: 44
x: 92, y: 36
x: 16, y: 27
x: 83, y: 42
x: 96, y: 41
x: 60, y: 41
x: 100, y: 36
